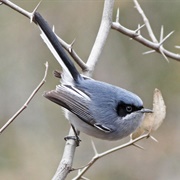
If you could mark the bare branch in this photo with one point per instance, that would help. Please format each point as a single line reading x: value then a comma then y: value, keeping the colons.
x: 18, y: 9
x: 27, y: 102
x: 98, y: 156
x: 74, y: 55
x: 65, y: 165
x: 65, y: 45
x: 146, y: 21
x: 102, y: 35
x: 155, y: 46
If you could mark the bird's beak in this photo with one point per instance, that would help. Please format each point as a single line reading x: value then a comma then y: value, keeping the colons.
x: 146, y: 110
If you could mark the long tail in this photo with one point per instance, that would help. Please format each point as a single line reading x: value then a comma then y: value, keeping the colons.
x: 55, y: 46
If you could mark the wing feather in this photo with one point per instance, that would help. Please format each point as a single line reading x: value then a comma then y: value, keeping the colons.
x: 72, y: 100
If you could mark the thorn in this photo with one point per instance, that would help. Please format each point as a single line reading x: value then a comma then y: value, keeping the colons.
x: 35, y: 9
x: 94, y: 147
x: 138, y: 29
x: 148, y: 52
x: 73, y: 42
x: 71, y: 45
x: 53, y: 29
x: 46, y: 64
x: 117, y: 15
x: 161, y: 42
x: 84, y: 178
x: 78, y: 169
x: 161, y: 33
x: 178, y: 47
x: 165, y: 57
x: 138, y: 146
x: 153, y: 138
x: 131, y: 138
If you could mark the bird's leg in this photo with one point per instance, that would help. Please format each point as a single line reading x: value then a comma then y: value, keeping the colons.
x: 76, y: 137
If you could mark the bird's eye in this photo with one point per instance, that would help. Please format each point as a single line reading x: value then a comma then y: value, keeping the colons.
x: 124, y: 109
x: 129, y: 109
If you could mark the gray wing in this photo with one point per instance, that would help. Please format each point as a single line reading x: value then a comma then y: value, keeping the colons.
x: 73, y: 100
x: 76, y: 102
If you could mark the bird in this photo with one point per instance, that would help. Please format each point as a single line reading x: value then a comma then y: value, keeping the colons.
x: 96, y: 108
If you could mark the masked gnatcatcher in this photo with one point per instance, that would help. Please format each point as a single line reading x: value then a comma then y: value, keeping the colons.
x: 93, y: 107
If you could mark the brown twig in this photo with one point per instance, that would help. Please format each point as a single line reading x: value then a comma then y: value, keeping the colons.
x: 27, y: 102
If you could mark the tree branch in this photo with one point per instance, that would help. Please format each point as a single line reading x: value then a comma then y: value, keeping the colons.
x: 65, y: 165
x: 155, y: 46
x: 102, y: 35
x: 27, y: 102
x: 146, y: 21
x: 100, y: 155
x: 66, y: 46
x: 74, y: 55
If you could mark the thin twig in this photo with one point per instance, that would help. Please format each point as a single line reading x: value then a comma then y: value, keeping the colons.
x: 74, y: 55
x: 100, y: 155
x: 154, y: 44
x: 27, y: 102
x: 139, y: 38
x: 17, y: 8
x: 65, y: 45
x: 146, y: 21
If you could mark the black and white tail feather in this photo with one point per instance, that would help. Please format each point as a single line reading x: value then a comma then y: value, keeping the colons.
x: 65, y: 95
x: 56, y: 49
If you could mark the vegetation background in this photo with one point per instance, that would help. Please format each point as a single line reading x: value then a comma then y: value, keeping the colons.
x: 32, y: 146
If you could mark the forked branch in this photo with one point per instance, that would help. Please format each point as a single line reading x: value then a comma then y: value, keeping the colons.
x: 98, y: 156
x: 155, y: 45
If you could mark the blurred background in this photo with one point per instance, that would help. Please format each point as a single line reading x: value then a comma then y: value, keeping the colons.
x: 32, y: 146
